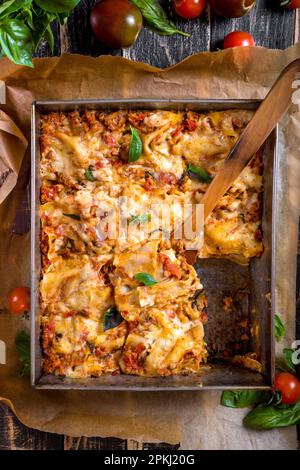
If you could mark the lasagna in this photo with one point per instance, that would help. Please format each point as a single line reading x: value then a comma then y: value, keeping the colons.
x: 131, y: 304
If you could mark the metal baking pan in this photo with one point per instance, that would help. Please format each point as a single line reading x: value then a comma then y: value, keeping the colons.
x: 251, y: 285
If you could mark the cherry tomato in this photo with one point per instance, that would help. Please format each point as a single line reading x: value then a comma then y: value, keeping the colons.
x: 293, y: 4
x: 189, y: 9
x: 238, y: 38
x: 116, y: 23
x: 232, y: 8
x: 18, y: 300
x: 289, y: 386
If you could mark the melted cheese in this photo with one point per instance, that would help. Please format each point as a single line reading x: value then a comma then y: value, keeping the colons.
x: 96, y: 317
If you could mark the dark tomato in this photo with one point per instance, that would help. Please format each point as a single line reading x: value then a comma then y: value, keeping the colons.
x: 238, y: 38
x: 289, y: 386
x: 18, y: 300
x: 116, y: 23
x: 293, y: 4
x: 189, y: 9
x: 232, y: 8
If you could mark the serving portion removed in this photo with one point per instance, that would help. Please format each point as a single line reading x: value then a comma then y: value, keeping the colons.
x: 131, y: 304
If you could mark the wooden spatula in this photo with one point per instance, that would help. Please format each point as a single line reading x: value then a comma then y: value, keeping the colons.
x: 270, y: 111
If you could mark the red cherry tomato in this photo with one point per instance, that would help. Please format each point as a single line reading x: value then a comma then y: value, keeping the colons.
x: 289, y: 386
x: 293, y: 4
x: 18, y: 300
x: 189, y: 9
x: 238, y: 38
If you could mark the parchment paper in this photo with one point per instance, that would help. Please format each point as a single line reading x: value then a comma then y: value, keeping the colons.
x: 195, y: 419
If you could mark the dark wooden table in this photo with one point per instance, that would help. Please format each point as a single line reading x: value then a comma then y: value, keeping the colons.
x: 271, y: 26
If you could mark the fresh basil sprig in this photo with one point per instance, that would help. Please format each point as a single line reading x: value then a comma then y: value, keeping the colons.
x: 22, y: 343
x: 142, y: 219
x: 112, y: 318
x: 198, y: 173
x: 145, y: 279
x: 268, y: 417
x: 16, y: 41
x: 24, y: 23
x: 156, y: 18
x: 136, y: 146
x: 243, y: 398
x: 89, y: 174
x: 279, y: 328
x: 72, y: 216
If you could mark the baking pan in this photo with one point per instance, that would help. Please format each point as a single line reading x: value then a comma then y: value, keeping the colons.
x: 251, y: 286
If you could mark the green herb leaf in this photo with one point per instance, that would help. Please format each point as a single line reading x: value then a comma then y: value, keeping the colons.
x: 268, y: 417
x: 145, y: 279
x: 42, y: 27
x: 89, y: 174
x: 279, y: 328
x: 22, y: 343
x: 16, y: 41
x: 243, y: 398
x: 24, y: 23
x: 48, y: 36
x: 136, y: 146
x: 12, y: 6
x: 59, y: 6
x: 198, y: 173
x: 287, y: 354
x: 72, y: 216
x: 142, y: 219
x: 112, y: 318
x: 156, y: 18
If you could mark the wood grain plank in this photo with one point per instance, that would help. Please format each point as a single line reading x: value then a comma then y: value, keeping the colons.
x: 271, y: 26
x: 297, y: 27
x: 161, y: 446
x: 22, y: 219
x: 94, y: 443
x: 15, y: 436
x: 163, y: 51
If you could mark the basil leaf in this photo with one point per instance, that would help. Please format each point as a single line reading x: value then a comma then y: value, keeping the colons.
x: 279, y: 328
x: 112, y: 318
x: 145, y: 279
x: 59, y: 6
x: 268, y: 417
x: 41, y: 25
x: 199, y: 173
x: 11, y: 6
x: 22, y: 343
x: 243, y: 398
x: 142, y: 219
x: 89, y: 174
x: 16, y: 41
x: 136, y: 146
x: 48, y: 36
x: 72, y: 216
x: 287, y: 354
x: 156, y: 18
x: 29, y: 18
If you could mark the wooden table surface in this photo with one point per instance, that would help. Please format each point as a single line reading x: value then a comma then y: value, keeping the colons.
x: 271, y: 26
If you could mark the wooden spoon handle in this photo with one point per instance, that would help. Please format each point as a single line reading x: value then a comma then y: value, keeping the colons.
x: 274, y: 106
